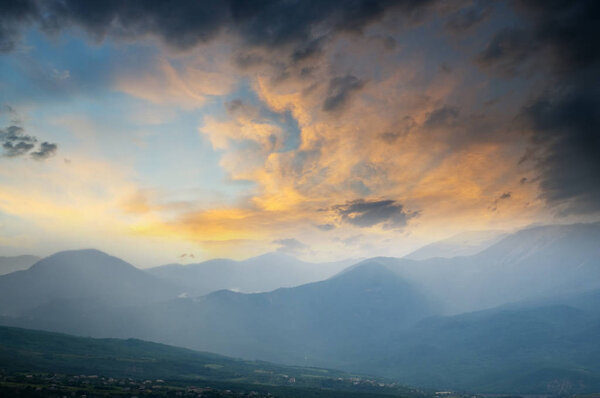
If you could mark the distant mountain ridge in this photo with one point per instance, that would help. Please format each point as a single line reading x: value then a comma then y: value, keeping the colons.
x: 257, y: 274
x: 463, y: 244
x: 80, y: 275
x: 534, y: 262
x: 548, y: 346
x: 531, y: 299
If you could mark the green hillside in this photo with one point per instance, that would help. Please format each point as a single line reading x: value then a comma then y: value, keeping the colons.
x: 28, y: 351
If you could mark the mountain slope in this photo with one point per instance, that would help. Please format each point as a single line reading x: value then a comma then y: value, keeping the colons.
x: 463, y: 244
x: 542, y: 347
x: 82, y: 275
x: 23, y: 350
x: 258, y: 274
x: 312, y: 322
x: 31, y: 350
x: 16, y: 263
x: 539, y: 332
x: 534, y: 262
x: 363, y: 321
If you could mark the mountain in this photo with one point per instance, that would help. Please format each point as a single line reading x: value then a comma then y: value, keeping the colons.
x: 369, y: 320
x: 258, y: 274
x: 80, y: 276
x: 533, y: 262
x: 30, y: 351
x: 538, y: 347
x: 522, y: 316
x: 463, y: 244
x: 308, y: 323
x: 16, y: 263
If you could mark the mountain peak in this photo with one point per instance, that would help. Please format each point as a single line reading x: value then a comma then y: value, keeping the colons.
x: 80, y: 275
x: 463, y: 244
x: 84, y: 258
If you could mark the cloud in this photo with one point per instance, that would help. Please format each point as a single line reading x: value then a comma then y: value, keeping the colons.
x: 185, y: 24
x: 16, y: 143
x: 186, y: 84
x: 362, y: 213
x: 566, y: 29
x: 325, y: 227
x: 45, y: 151
x: 340, y: 90
x: 556, y: 33
x: 413, y: 129
x: 466, y: 18
x: 502, y: 197
x: 505, y: 195
x: 565, y: 129
x: 13, y: 15
x: 12, y: 150
x: 61, y: 75
x: 507, y: 51
x: 563, y: 117
x: 290, y: 245
x: 441, y: 117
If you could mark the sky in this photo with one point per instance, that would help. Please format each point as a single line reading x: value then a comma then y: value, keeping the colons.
x: 181, y: 131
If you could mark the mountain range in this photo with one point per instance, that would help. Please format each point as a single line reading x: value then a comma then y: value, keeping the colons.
x: 521, y: 316
x: 462, y: 244
x: 257, y: 274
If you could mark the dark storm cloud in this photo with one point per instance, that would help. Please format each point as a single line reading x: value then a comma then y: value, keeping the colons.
x: 569, y: 29
x: 16, y: 143
x: 507, y: 51
x: 186, y: 23
x: 340, y: 90
x: 13, y: 15
x: 308, y: 50
x: 566, y: 134
x: 362, y: 213
x: 441, y: 117
x: 466, y: 18
x: 565, y: 30
x: 561, y: 40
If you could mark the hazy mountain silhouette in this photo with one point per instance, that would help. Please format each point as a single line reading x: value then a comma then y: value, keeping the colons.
x: 534, y: 262
x: 290, y: 324
x: 541, y: 288
x: 16, y: 263
x: 463, y: 244
x: 286, y: 325
x: 543, y: 346
x: 258, y: 274
x: 80, y: 275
